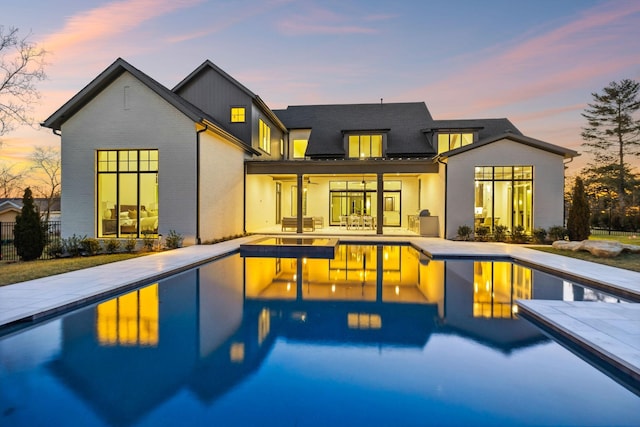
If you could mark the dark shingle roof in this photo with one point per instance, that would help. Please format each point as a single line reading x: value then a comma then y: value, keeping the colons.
x: 485, y: 127
x: 402, y: 122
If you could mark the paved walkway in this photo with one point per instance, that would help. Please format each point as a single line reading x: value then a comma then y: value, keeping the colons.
x: 611, y: 332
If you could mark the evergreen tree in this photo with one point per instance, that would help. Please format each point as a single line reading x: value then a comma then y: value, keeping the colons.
x: 29, y: 234
x: 613, y: 132
x: 578, y: 220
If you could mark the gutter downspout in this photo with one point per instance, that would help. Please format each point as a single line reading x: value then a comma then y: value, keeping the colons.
x: 446, y: 186
x: 564, y: 182
x: 198, y: 132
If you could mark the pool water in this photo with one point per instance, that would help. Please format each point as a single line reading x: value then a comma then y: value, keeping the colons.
x: 376, y: 336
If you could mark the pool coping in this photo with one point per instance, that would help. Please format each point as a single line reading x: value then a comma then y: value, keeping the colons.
x: 39, y: 302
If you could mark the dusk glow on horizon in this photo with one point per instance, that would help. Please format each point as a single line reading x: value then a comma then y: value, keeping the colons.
x: 535, y: 63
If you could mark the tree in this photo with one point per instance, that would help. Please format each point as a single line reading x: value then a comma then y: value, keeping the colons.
x: 46, y: 164
x: 21, y: 66
x: 613, y: 132
x: 29, y: 233
x: 10, y: 180
x: 578, y: 225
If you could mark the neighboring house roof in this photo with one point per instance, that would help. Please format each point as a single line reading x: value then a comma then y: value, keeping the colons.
x: 555, y: 149
x: 8, y: 204
x: 259, y: 102
x: 115, y: 70
x: 402, y: 122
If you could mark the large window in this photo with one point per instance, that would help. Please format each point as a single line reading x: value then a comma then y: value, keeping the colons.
x: 365, y: 146
x: 451, y: 141
x: 127, y: 193
x: 237, y: 114
x: 503, y: 196
x: 265, y: 136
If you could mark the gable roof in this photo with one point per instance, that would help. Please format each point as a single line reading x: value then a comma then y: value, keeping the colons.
x: 535, y: 143
x: 403, y: 123
x: 259, y: 102
x: 115, y: 70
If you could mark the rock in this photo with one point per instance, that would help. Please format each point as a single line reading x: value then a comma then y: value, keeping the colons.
x: 602, y: 248
x: 634, y: 249
x: 566, y: 245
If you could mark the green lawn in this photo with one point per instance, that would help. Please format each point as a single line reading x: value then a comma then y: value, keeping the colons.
x: 14, y: 272
x: 625, y: 260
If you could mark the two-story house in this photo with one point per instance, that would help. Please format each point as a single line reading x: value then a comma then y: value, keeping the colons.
x: 210, y: 159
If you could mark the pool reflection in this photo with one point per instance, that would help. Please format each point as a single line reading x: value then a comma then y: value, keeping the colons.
x: 209, y: 329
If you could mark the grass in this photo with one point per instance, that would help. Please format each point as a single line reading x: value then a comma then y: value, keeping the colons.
x: 625, y: 260
x: 20, y: 271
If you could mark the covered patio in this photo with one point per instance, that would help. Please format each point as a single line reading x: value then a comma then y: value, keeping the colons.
x: 367, y: 197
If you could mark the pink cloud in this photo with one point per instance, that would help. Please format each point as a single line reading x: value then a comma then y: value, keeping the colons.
x: 600, y: 42
x: 323, y: 21
x: 230, y: 19
x: 83, y: 30
x: 547, y: 113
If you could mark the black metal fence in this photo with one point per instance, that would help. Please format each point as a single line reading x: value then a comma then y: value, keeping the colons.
x: 608, y: 232
x: 8, y: 250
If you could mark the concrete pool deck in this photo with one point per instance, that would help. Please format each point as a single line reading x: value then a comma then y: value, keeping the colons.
x: 617, y: 340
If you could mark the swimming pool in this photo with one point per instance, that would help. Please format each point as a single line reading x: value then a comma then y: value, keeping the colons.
x: 377, y: 336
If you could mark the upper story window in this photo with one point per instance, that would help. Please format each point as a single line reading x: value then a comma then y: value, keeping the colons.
x: 451, y: 141
x: 299, y: 148
x: 365, y: 146
x: 265, y: 136
x: 237, y: 114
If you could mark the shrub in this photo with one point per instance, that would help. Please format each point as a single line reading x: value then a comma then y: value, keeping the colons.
x: 90, y: 245
x: 130, y: 244
x: 518, y: 234
x: 148, y: 241
x: 464, y: 232
x: 500, y: 233
x: 482, y: 233
x: 55, y: 248
x: 29, y: 233
x: 557, y: 232
x: 539, y: 235
x: 174, y: 240
x: 113, y: 246
x: 578, y: 218
x: 71, y: 245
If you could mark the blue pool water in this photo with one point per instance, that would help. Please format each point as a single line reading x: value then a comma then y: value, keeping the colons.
x: 377, y: 336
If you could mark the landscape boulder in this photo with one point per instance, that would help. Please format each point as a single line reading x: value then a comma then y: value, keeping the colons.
x: 602, y: 248
x: 599, y: 248
x: 566, y: 245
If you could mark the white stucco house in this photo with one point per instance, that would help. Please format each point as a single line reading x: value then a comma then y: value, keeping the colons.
x: 210, y: 159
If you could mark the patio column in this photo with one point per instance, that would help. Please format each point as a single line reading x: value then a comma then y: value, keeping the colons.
x: 299, y: 204
x: 380, y: 203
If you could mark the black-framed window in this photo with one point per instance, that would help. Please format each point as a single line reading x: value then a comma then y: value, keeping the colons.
x: 238, y: 114
x: 504, y: 196
x: 127, y: 193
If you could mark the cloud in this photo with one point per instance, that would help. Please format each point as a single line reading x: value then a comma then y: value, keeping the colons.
x: 322, y: 21
x: 83, y: 30
x: 599, y: 42
x: 229, y: 19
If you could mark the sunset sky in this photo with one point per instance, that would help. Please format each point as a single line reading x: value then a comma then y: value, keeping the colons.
x: 535, y: 62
